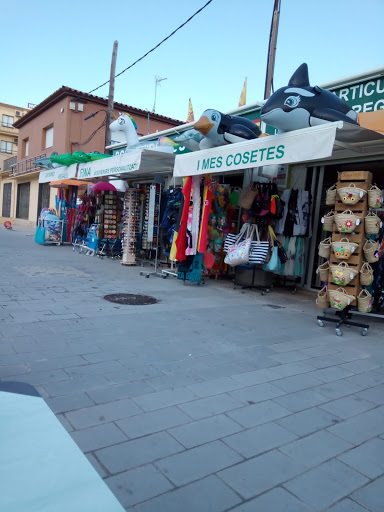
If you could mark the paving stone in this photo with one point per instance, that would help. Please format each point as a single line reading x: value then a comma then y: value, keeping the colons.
x: 289, y: 357
x: 296, y: 383
x: 368, y: 458
x: 360, y: 428
x: 90, y: 416
x: 375, y: 395
x: 330, y: 374
x: 165, y: 398
x: 199, y: 462
x: 308, y: 421
x: 12, y: 370
x: 204, y: 431
x: 97, y: 466
x: 324, y: 485
x: 338, y: 389
x: 132, y: 374
x: 257, y: 414
x: 207, y: 495
x: 257, y: 393
x: 316, y: 448
x: 94, y: 369
x: 371, y: 496
x: 320, y: 350
x: 277, y: 500
x: 211, y: 406
x: 141, y: 451
x: 301, y: 400
x: 324, y: 361
x: 220, y: 370
x: 68, y: 403
x: 260, y: 439
x: 5, y: 347
x: 361, y: 365
x: 85, y: 383
x: 347, y: 506
x: 36, y: 378
x: 93, y: 438
x: 256, y: 377
x: 289, y: 369
x: 132, y: 486
x: 350, y: 354
x: 348, y: 406
x: 154, y: 421
x: 260, y: 474
x: 367, y: 379
x: 214, y: 387
x: 56, y: 363
x: 173, y: 381
x: 119, y: 391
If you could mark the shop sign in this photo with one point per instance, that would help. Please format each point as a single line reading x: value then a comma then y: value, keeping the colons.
x: 59, y: 173
x: 119, y: 164
x: 366, y: 96
x: 298, y: 146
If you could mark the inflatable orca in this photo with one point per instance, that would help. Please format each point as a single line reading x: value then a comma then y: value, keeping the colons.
x: 219, y: 129
x: 299, y: 105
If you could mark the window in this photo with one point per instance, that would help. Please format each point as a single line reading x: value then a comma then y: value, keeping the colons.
x: 25, y: 147
x: 6, y: 147
x: 48, y: 137
x: 7, y: 121
x: 22, y: 208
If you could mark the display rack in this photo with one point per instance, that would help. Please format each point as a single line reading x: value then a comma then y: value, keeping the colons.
x: 153, y: 226
x: 130, y: 226
x: 363, y: 180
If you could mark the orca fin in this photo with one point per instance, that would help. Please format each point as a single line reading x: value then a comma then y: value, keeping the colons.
x: 300, y: 77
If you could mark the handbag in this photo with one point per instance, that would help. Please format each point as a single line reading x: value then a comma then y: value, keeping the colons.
x: 230, y: 239
x: 274, y: 263
x: 246, y: 197
x: 283, y: 256
x: 259, y: 251
x: 238, y: 254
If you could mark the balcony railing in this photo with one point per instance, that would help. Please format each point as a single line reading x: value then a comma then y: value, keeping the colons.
x: 26, y: 166
x: 8, y: 163
x: 8, y: 128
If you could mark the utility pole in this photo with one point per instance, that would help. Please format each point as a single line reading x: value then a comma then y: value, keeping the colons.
x: 157, y: 82
x: 272, y: 49
x: 111, y: 94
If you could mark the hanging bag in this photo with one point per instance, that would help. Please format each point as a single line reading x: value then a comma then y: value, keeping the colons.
x: 323, y: 271
x: 322, y: 300
x: 366, y: 274
x: 371, y: 251
x: 340, y: 299
x: 346, y: 221
x: 372, y: 224
x: 364, y: 301
x: 283, y: 256
x: 375, y: 197
x: 274, y: 263
x: 351, y: 194
x: 325, y: 248
x: 259, y: 250
x: 342, y: 274
x: 327, y: 221
x: 247, y: 196
x: 343, y: 249
x: 231, y: 238
x: 238, y: 254
x: 330, y: 197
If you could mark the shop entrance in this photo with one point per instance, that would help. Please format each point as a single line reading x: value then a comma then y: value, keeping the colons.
x: 7, y: 196
x: 22, y: 209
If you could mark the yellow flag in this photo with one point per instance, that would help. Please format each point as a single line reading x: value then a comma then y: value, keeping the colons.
x: 243, y: 95
x: 191, y: 116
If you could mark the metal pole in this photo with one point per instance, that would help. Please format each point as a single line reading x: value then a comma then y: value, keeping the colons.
x: 111, y: 94
x: 272, y: 49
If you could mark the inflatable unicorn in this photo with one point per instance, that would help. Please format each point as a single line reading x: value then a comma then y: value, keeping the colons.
x: 126, y: 124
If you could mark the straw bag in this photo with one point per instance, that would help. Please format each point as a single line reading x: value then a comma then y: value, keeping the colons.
x: 364, y: 301
x: 347, y: 221
x: 344, y: 248
x: 246, y: 197
x: 370, y: 251
x: 339, y: 299
x: 366, y: 274
x: 351, y: 194
x: 372, y: 224
x: 327, y: 221
x: 325, y: 248
x: 323, y: 271
x: 330, y: 197
x: 342, y: 274
x: 322, y: 300
x: 375, y: 197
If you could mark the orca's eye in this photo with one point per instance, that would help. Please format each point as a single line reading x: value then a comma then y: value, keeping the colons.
x: 292, y: 101
x: 214, y: 117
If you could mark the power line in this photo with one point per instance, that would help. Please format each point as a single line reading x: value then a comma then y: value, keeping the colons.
x: 155, y: 47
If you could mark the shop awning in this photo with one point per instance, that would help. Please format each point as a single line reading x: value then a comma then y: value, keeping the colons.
x: 135, y: 164
x: 70, y: 183
x: 59, y: 173
x: 318, y: 143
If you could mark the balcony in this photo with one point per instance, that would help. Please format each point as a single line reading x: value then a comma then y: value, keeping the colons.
x: 26, y: 166
x: 8, y: 163
x: 8, y: 129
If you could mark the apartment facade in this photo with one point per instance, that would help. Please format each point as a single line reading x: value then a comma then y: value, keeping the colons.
x: 59, y: 124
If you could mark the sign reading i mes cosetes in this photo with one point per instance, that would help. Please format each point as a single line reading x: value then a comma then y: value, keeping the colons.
x: 365, y: 96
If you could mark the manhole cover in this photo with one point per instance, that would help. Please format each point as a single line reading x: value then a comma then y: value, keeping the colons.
x: 274, y: 306
x: 131, y: 299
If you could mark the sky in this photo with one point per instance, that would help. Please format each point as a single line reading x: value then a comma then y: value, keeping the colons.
x: 49, y: 44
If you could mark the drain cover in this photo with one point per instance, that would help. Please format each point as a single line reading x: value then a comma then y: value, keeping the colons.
x: 131, y: 299
x: 274, y: 306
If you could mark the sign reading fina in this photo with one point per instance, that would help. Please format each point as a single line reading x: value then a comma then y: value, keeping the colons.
x: 296, y: 146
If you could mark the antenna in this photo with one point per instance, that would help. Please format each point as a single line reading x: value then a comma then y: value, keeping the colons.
x: 157, y: 82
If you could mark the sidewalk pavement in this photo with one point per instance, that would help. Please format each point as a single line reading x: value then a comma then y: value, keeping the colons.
x: 210, y: 400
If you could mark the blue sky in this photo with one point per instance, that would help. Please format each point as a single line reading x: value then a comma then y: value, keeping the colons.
x: 49, y: 44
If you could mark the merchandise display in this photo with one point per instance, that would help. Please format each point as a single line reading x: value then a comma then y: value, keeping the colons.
x: 130, y: 226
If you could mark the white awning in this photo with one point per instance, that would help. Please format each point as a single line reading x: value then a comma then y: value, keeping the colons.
x: 59, y: 173
x: 328, y: 141
x: 136, y: 163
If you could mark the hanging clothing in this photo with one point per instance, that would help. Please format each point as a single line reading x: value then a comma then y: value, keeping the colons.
x: 302, y: 213
x: 181, y: 237
x: 279, y: 226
